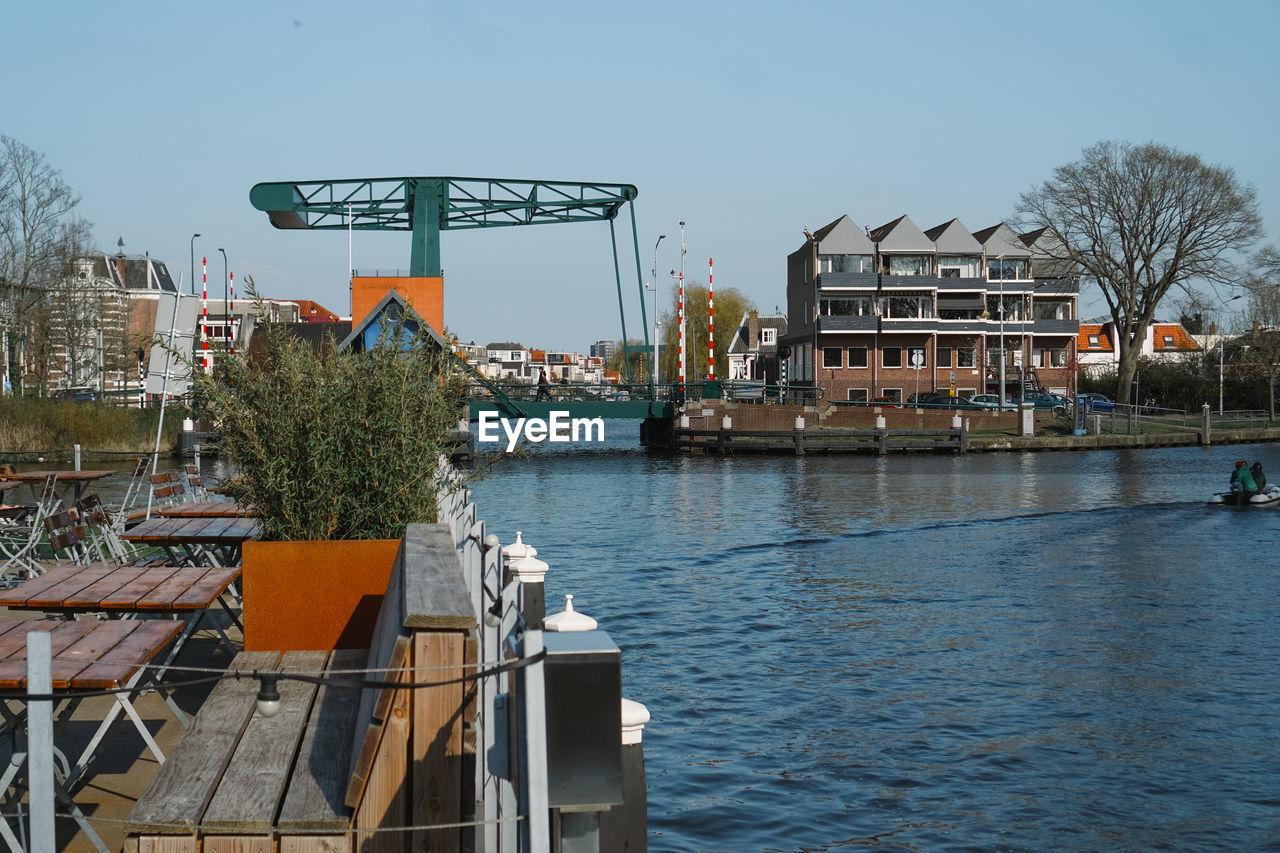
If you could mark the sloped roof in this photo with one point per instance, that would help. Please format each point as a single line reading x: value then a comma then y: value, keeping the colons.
x: 1047, y: 254
x: 313, y: 312
x: 952, y: 238
x: 1182, y: 341
x: 766, y: 321
x: 902, y: 235
x: 1000, y: 240
x: 503, y: 345
x: 843, y: 237
x: 397, y: 307
x: 1104, y: 340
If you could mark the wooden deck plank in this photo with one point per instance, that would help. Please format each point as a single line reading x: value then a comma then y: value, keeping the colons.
x: 314, y: 801
x: 435, y: 595
x: 437, y: 742
x: 178, y: 795
x: 385, y: 795
x: 254, y: 783
x: 389, y: 649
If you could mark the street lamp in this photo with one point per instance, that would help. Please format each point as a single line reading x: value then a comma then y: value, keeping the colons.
x: 193, y: 263
x: 656, y: 324
x: 1222, y: 345
x: 225, y: 298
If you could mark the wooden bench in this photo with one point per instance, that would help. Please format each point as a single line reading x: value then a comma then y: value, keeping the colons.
x: 335, y: 762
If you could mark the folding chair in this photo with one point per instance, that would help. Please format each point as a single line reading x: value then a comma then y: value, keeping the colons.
x: 195, y: 484
x: 167, y: 489
x: 19, y: 542
x: 137, y: 482
x: 66, y: 539
x: 101, y: 532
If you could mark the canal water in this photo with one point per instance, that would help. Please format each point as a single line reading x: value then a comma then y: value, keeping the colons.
x: 1031, y: 651
x: 1007, y: 651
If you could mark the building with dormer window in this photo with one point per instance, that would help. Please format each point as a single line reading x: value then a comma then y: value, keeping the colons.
x: 887, y: 311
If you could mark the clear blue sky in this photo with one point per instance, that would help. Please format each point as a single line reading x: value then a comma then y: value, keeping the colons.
x: 749, y: 121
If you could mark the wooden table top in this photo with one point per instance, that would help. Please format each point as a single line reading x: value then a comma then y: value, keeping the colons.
x: 86, y: 655
x: 206, y: 509
x: 9, y: 484
x: 201, y: 530
x: 63, y: 476
x: 158, y: 589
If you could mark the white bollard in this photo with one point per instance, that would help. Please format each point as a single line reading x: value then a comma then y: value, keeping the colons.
x: 955, y: 422
x: 879, y: 421
x: 569, y: 619
x: 726, y: 422
x: 684, y: 422
x: 799, y: 421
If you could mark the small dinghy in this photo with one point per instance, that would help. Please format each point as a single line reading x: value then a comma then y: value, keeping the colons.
x: 1248, y: 488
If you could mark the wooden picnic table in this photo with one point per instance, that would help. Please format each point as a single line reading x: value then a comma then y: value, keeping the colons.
x: 206, y: 509
x: 189, y: 593
x: 200, y: 537
x: 76, y: 480
x: 89, y: 655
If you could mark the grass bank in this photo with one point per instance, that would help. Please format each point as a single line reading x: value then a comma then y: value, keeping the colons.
x: 31, y: 428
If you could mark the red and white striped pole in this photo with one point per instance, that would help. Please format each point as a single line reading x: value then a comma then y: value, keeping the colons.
x: 711, y: 325
x: 231, y: 317
x: 204, y: 314
x: 680, y: 334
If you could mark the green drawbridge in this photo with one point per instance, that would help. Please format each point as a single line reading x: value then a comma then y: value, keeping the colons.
x: 426, y: 206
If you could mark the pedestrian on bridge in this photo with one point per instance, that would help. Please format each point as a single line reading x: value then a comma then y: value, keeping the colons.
x: 544, y: 387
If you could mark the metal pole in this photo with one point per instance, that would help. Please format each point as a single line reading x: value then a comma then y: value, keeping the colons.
x: 40, y: 740
x: 193, y: 263
x: 682, y: 325
x: 224, y: 298
x: 1000, y: 392
x: 656, y: 324
x: 1221, y: 346
x: 711, y: 324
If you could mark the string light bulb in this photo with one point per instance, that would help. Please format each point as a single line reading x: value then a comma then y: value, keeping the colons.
x: 268, y: 696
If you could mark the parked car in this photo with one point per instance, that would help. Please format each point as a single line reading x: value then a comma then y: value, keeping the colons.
x: 925, y: 398
x: 1043, y: 400
x: 991, y: 402
x: 76, y: 395
x: 956, y: 403
x: 1098, y: 403
x: 885, y: 402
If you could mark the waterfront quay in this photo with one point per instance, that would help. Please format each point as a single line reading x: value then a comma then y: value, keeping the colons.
x: 718, y: 426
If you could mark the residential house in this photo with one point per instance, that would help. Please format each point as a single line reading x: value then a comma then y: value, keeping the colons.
x: 887, y: 311
x: 753, y: 350
x: 508, y: 360
x: 1099, y: 352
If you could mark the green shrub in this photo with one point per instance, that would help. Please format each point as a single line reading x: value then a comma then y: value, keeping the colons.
x: 333, y: 444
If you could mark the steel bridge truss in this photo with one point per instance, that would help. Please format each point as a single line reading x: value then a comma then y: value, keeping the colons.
x: 428, y: 205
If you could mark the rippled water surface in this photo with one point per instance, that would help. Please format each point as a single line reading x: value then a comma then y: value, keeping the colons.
x: 1055, y: 651
x: 1052, y: 651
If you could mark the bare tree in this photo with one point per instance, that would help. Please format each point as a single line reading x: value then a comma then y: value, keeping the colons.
x: 1259, y: 348
x: 38, y: 237
x: 1139, y: 220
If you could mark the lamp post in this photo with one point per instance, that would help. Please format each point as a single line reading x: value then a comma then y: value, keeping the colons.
x: 225, y: 298
x: 193, y: 263
x: 1221, y: 349
x: 1000, y: 399
x: 656, y: 324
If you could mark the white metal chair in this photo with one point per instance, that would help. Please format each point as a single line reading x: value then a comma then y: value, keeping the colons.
x: 19, y: 541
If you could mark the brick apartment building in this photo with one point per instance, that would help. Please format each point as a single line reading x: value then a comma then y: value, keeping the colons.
x: 863, y: 306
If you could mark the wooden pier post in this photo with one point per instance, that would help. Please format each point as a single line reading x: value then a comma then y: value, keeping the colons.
x: 799, y: 435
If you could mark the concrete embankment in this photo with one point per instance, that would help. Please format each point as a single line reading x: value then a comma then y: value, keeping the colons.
x: 770, y: 428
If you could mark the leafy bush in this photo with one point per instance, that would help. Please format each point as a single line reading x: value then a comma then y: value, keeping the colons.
x: 334, y: 444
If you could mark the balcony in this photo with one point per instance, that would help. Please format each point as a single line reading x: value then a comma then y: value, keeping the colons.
x: 861, y: 280
x: 847, y: 323
x: 1055, y: 327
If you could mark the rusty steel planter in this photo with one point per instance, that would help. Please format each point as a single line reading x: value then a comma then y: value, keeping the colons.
x: 314, y: 594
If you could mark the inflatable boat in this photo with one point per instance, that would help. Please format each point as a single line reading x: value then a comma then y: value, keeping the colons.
x: 1239, y: 497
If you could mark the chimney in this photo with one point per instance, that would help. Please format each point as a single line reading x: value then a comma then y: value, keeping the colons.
x: 1213, y: 328
x: 753, y: 330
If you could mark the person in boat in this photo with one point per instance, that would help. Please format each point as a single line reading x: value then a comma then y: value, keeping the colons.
x: 1259, y: 478
x: 1243, y: 477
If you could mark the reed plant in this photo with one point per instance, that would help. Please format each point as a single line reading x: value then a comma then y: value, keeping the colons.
x: 330, y: 444
x: 46, y: 427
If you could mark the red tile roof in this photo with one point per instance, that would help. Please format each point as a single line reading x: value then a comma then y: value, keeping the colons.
x: 1180, y: 339
x: 1104, y: 340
